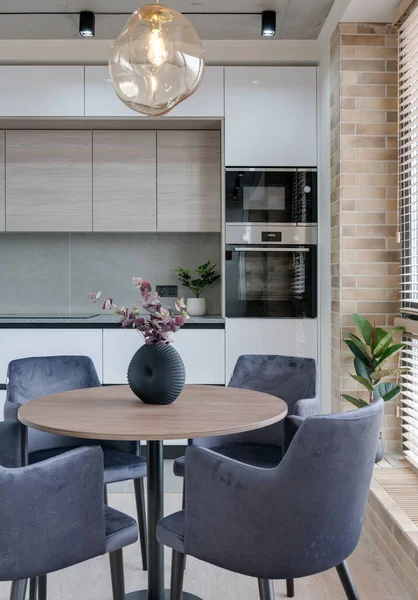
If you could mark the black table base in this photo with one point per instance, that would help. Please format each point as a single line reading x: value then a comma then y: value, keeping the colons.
x: 144, y: 595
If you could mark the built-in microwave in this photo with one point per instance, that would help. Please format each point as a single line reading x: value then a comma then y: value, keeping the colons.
x: 271, y: 272
x: 271, y: 195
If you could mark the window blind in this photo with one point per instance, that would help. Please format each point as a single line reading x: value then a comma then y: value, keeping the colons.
x: 408, y: 211
x: 408, y: 160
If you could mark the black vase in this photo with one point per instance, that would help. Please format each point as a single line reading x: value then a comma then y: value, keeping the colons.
x: 156, y: 374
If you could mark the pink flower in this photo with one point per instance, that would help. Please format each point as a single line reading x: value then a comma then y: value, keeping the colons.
x: 180, y: 321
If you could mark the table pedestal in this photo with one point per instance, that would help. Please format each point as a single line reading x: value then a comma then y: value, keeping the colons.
x: 155, y: 505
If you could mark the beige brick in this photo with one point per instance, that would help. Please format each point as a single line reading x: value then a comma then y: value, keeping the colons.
x: 363, y: 192
x: 373, y: 281
x: 349, y: 205
x: 364, y: 40
x: 378, y: 307
x: 377, y: 53
x: 377, y: 154
x: 378, y: 78
x: 348, y: 78
x: 362, y: 65
x: 348, y: 103
x: 348, y: 128
x: 348, y: 52
x: 359, y: 218
x: 392, y: 91
x: 348, y: 28
x: 364, y: 91
x: 363, y: 243
x: 359, y: 269
x: 363, y: 167
x: 363, y: 141
x: 391, y: 41
x: 377, y: 104
x: 377, y: 129
x: 377, y: 180
x: 379, y: 256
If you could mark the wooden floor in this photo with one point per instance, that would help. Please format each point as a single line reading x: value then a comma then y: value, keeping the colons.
x: 91, y: 580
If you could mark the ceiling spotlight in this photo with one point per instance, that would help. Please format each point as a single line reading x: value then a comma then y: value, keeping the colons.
x: 268, y: 23
x: 87, y: 23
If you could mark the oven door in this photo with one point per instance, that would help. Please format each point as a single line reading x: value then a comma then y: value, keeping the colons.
x: 271, y: 196
x: 271, y: 281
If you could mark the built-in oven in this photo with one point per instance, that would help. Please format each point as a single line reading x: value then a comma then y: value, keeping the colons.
x: 271, y: 271
x: 271, y: 196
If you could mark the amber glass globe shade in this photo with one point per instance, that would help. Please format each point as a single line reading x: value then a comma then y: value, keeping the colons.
x: 157, y: 61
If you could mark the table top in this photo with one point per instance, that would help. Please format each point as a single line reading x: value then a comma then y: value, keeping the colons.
x: 115, y: 413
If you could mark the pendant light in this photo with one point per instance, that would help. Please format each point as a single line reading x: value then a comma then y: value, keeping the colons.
x: 157, y: 61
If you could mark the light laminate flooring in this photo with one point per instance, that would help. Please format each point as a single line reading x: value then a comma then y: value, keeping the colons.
x: 91, y: 580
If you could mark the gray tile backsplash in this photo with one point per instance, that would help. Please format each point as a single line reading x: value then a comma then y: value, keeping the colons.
x: 56, y: 272
x: 34, y: 273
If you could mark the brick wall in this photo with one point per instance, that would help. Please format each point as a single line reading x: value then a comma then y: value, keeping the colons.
x: 365, y: 255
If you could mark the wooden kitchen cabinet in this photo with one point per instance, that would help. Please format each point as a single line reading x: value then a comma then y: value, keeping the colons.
x: 48, y: 180
x: 2, y: 182
x: 41, y: 91
x: 188, y: 181
x: 124, y: 181
x: 271, y: 116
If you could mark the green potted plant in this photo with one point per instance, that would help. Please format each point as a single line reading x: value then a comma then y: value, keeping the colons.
x: 371, y: 355
x: 197, y: 281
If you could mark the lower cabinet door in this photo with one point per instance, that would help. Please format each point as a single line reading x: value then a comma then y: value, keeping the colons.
x: 202, y: 351
x: 289, y: 337
x: 21, y: 343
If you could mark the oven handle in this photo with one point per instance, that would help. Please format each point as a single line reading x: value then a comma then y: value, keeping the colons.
x: 252, y: 249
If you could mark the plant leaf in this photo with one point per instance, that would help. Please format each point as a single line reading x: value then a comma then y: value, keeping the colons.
x: 363, y: 381
x: 387, y: 391
x: 361, y: 369
x: 356, y: 401
x: 357, y: 352
x: 389, y: 352
x: 361, y: 345
x: 365, y: 327
x: 378, y: 375
x: 381, y: 346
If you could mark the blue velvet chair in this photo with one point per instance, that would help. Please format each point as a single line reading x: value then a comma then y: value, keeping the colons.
x: 290, y: 378
x: 30, y: 378
x: 67, y: 524
x: 300, y: 518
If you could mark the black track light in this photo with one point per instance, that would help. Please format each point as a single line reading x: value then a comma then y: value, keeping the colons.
x: 87, y: 23
x: 268, y: 23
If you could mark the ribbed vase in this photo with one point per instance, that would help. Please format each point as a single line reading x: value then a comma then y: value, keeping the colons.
x: 156, y: 374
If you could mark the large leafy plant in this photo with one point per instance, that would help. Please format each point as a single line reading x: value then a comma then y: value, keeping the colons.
x: 370, y: 357
x: 204, y: 276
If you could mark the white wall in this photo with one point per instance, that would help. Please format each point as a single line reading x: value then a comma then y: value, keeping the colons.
x: 370, y: 11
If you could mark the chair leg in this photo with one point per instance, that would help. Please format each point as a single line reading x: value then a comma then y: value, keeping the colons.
x: 105, y: 497
x: 347, y: 581
x: 142, y: 522
x: 33, y: 587
x: 290, y: 588
x: 266, y: 589
x: 183, y: 499
x: 116, y: 571
x: 42, y: 587
x: 18, y: 590
x: 178, y: 562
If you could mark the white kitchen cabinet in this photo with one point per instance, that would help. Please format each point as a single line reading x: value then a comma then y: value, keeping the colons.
x: 41, y: 91
x: 270, y: 116
x: 202, y: 351
x: 207, y: 100
x: 102, y: 101
x: 289, y: 337
x: 49, y: 180
x: 21, y: 343
x: 2, y: 182
x: 124, y: 181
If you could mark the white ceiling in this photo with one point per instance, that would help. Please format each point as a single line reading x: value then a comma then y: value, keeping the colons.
x: 296, y: 19
x: 374, y: 11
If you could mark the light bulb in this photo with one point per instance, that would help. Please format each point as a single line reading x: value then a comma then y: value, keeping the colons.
x: 157, y: 51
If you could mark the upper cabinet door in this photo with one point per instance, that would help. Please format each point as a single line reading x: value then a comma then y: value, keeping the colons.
x: 101, y: 98
x: 2, y: 182
x: 41, y: 91
x: 189, y: 181
x: 270, y: 117
x: 102, y: 101
x: 124, y: 181
x: 207, y: 100
x: 48, y: 181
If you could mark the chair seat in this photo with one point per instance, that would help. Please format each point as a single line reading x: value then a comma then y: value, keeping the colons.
x: 256, y: 455
x: 121, y: 529
x: 170, y: 531
x: 118, y: 466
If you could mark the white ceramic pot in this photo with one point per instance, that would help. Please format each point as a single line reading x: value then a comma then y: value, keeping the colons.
x: 196, y: 306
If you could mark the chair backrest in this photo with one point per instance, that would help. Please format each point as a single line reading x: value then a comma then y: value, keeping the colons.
x: 51, y: 514
x: 304, y: 516
x: 30, y: 378
x: 290, y: 378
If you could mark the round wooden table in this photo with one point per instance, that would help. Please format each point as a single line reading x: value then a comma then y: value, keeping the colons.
x: 114, y: 413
